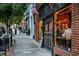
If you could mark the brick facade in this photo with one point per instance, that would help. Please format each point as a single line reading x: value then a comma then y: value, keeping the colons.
x: 75, y: 34
x: 75, y: 29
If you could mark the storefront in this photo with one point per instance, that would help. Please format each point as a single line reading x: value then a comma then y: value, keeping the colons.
x: 37, y: 23
x: 48, y: 27
x: 55, y: 25
x: 54, y: 16
x: 62, y: 30
x: 38, y: 29
x: 46, y: 14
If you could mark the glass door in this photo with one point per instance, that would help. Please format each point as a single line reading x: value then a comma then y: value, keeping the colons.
x: 48, y: 35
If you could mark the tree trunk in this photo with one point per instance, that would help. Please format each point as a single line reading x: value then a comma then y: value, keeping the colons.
x: 6, y: 22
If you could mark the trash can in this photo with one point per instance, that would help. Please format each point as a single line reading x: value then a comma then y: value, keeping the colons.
x: 2, y: 48
x: 6, y: 41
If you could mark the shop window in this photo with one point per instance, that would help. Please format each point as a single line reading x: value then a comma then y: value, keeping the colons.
x: 63, y: 29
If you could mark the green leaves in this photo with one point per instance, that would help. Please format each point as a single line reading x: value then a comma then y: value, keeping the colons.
x: 5, y: 10
x: 13, y: 12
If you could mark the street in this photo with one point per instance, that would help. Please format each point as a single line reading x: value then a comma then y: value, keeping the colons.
x: 28, y: 47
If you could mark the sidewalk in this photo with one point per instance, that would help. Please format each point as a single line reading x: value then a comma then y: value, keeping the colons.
x: 25, y: 46
x: 10, y: 52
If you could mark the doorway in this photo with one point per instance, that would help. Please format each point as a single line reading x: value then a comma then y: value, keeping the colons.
x: 48, y: 27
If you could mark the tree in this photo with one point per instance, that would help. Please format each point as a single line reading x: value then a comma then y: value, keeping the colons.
x: 11, y: 12
x: 18, y: 11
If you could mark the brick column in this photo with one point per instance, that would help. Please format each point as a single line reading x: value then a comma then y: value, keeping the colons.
x: 75, y: 29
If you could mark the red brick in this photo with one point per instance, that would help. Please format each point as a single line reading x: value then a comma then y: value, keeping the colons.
x: 75, y: 29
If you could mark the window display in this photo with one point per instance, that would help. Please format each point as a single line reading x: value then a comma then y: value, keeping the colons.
x: 63, y: 29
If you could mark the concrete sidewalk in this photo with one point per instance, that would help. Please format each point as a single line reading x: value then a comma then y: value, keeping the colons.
x: 25, y: 46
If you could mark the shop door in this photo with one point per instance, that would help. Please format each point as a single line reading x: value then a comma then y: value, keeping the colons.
x: 48, y: 35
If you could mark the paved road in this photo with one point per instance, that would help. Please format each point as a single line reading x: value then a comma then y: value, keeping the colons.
x: 25, y: 46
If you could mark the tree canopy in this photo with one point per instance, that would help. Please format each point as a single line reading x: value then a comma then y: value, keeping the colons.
x: 12, y: 12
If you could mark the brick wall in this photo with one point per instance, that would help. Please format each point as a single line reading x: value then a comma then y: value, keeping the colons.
x: 75, y: 32
x: 75, y: 29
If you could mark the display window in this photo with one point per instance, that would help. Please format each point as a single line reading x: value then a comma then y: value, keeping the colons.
x: 46, y: 35
x: 63, y: 28
x: 50, y: 31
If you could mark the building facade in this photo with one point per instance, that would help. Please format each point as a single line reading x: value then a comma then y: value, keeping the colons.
x: 30, y: 19
x: 38, y: 23
x: 55, y: 18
